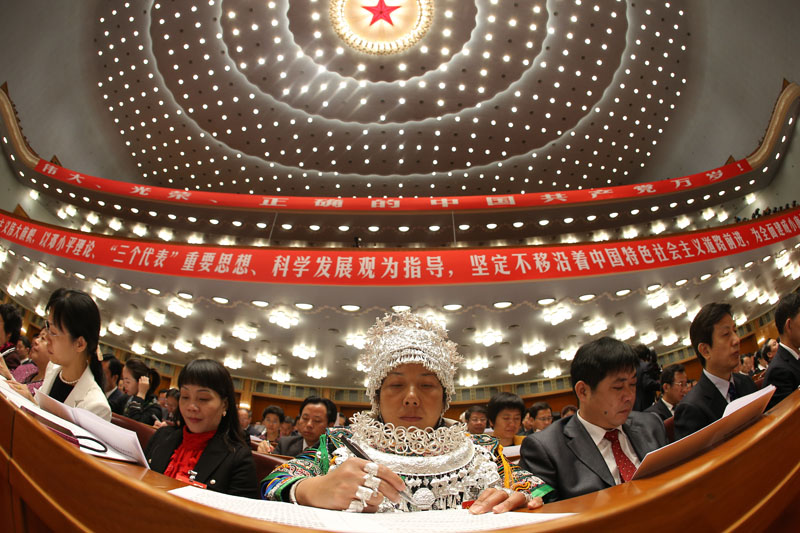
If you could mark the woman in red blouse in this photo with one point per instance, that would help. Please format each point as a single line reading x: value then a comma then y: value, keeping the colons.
x: 206, y: 447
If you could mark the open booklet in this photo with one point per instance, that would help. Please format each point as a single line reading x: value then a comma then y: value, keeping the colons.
x: 453, y: 520
x: 120, y: 440
x: 737, y: 415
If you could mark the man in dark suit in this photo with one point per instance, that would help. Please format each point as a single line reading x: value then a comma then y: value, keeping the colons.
x: 784, y: 369
x: 673, y: 389
x: 714, y: 339
x: 647, y: 373
x: 316, y: 415
x: 604, y: 443
x: 112, y: 370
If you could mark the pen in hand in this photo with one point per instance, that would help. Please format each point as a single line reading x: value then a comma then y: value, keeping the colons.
x: 361, y: 454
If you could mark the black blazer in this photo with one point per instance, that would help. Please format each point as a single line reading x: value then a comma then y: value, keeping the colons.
x: 647, y: 384
x: 291, y: 446
x: 660, y: 409
x: 145, y: 411
x: 783, y: 372
x: 222, y: 469
x: 704, y: 404
x: 117, y: 402
x: 565, y: 457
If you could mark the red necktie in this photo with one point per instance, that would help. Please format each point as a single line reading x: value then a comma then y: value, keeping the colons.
x: 625, y: 466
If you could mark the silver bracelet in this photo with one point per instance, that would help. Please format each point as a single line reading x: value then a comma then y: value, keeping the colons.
x: 292, y: 490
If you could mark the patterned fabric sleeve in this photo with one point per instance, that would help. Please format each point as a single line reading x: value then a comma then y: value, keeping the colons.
x: 513, y: 476
x: 24, y: 372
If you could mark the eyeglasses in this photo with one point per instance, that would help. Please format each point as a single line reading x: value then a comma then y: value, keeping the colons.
x: 680, y: 384
x: 50, y: 331
x: 545, y: 418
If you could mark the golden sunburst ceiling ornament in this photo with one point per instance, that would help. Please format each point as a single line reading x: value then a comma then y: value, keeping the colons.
x: 381, y: 28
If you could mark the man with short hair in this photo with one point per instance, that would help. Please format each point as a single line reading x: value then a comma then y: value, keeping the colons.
x: 10, y: 327
x: 714, y: 339
x: 316, y: 415
x: 287, y: 427
x: 541, y: 415
x: 24, y: 349
x: 673, y: 389
x: 476, y: 419
x: 746, y: 365
x: 784, y: 369
x: 245, y: 418
x: 604, y: 442
x: 112, y: 370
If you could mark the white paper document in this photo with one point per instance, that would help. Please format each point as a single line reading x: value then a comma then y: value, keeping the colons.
x: 454, y: 520
x: 123, y: 444
x: 737, y: 415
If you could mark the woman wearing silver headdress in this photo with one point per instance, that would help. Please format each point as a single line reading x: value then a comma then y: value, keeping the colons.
x: 417, y: 459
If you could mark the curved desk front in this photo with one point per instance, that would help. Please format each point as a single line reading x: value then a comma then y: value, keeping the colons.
x: 750, y: 482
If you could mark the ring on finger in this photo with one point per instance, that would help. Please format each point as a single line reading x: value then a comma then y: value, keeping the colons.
x: 371, y: 468
x: 364, y: 493
x: 371, y: 482
x: 355, y: 507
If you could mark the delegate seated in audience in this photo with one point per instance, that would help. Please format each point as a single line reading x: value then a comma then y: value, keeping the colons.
x: 245, y: 419
x: 476, y: 418
x: 542, y: 416
x: 140, y: 383
x: 568, y: 410
x: 207, y: 444
x: 10, y: 326
x: 74, y: 374
x: 784, y: 369
x: 646, y: 377
x: 316, y: 415
x: 746, y: 367
x: 766, y: 353
x: 410, y: 382
x: 673, y: 389
x: 171, y: 418
x: 505, y: 411
x: 31, y: 373
x: 714, y: 339
x: 287, y: 427
x: 112, y: 370
x: 271, y: 419
x: 24, y: 349
x: 604, y: 443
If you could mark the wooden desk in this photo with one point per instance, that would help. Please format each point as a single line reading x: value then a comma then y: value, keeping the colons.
x: 750, y: 482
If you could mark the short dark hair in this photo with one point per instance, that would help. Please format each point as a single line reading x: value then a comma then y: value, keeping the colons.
x: 504, y: 400
x: 25, y: 341
x: 12, y: 321
x: 275, y: 410
x: 538, y: 406
x: 329, y: 405
x: 114, y: 366
x: 702, y: 328
x: 643, y: 352
x: 476, y: 409
x: 164, y: 392
x: 209, y: 373
x: 174, y: 393
x: 668, y: 374
x: 744, y: 356
x: 567, y: 409
x: 597, y: 359
x: 787, y: 309
x: 288, y: 420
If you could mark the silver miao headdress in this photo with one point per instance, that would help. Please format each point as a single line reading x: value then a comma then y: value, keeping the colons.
x: 405, y: 337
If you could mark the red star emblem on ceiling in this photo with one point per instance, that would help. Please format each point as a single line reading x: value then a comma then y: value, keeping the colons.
x: 381, y: 12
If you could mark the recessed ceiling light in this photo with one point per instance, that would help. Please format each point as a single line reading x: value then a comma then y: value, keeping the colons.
x: 79, y: 275
x: 313, y: 227
x: 434, y: 228
x: 705, y: 277
x: 400, y: 308
x: 351, y: 308
x: 304, y: 307
x: 344, y: 228
x: 154, y: 292
x: 185, y: 295
x: 452, y: 307
x: 373, y: 229
x: 569, y: 220
x: 403, y: 229
x: 123, y: 285
x: 654, y: 286
x: 220, y: 300
x: 681, y: 282
x: 546, y: 301
x: 502, y: 305
x: 586, y: 297
x: 623, y: 292
x: 259, y: 303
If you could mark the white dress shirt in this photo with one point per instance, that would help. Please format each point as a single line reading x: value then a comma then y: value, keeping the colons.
x: 722, y: 385
x: 791, y: 351
x: 598, y: 434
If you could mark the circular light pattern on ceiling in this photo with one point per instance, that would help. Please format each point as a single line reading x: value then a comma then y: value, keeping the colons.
x: 497, y: 97
x: 381, y: 28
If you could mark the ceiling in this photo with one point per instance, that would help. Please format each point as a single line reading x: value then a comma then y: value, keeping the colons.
x: 494, y: 98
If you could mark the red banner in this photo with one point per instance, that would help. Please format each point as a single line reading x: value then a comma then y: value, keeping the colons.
x: 450, y: 203
x: 370, y: 267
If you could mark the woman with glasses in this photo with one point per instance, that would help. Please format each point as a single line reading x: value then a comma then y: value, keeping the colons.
x: 74, y: 374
